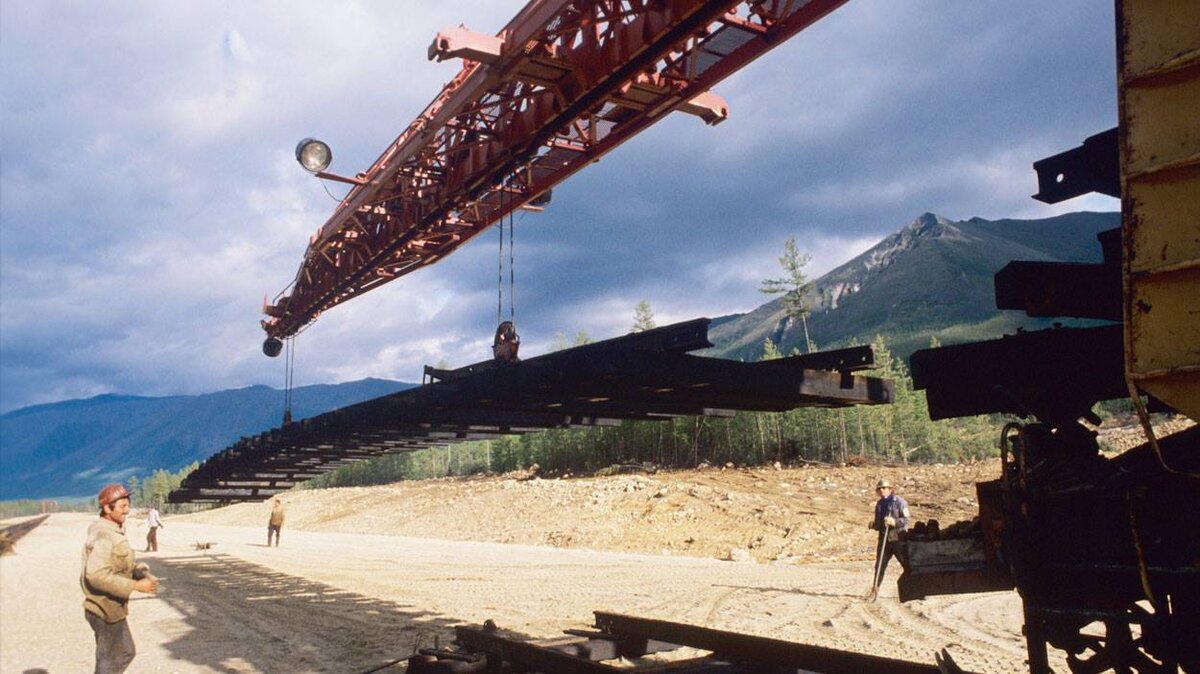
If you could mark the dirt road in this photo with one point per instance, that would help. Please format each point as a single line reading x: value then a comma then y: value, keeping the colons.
x: 327, y: 602
x: 342, y: 600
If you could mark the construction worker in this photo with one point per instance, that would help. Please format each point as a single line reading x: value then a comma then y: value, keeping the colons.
x: 891, y: 517
x: 275, y: 523
x: 109, y: 576
x: 154, y: 521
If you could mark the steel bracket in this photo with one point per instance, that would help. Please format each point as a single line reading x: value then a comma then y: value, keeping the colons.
x: 1091, y: 167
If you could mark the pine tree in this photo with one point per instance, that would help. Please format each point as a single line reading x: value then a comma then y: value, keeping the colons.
x: 643, y: 317
x: 793, y: 285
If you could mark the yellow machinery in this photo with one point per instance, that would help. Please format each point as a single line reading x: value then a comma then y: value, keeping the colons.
x: 1159, y: 87
x: 1105, y: 552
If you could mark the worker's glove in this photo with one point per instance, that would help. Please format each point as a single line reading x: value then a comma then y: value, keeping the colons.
x: 890, y: 521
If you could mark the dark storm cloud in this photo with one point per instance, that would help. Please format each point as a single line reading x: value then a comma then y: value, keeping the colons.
x: 150, y: 198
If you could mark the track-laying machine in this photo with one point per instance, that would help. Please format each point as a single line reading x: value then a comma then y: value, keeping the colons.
x: 1104, y: 550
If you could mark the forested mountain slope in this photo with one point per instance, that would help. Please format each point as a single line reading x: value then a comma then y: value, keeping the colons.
x: 933, y: 278
x: 67, y: 448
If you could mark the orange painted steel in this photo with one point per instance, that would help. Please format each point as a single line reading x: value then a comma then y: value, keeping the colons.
x: 565, y: 82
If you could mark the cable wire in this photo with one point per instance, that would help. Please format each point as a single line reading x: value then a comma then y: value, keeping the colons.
x: 512, y: 279
x: 289, y: 377
x: 500, y: 263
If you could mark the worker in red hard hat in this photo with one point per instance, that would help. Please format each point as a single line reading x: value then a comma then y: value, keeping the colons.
x: 108, y: 578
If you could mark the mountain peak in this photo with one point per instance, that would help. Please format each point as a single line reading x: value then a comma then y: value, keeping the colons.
x: 926, y: 226
x: 930, y: 225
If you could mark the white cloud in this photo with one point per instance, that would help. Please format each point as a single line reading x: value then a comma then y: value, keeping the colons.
x: 204, y: 115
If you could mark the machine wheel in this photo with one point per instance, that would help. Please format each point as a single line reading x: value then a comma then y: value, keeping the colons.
x: 1135, y: 641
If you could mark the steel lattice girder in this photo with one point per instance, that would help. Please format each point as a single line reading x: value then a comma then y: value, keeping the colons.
x: 645, y: 376
x: 561, y: 85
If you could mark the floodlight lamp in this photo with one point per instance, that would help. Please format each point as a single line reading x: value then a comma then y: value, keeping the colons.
x: 313, y: 155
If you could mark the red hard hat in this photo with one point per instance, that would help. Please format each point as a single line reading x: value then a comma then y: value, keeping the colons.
x: 111, y: 493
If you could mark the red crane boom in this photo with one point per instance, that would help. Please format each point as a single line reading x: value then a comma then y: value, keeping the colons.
x: 565, y: 82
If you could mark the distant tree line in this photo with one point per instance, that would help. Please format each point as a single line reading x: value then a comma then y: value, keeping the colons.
x: 146, y: 490
x: 153, y: 489
x: 28, y: 506
x: 898, y: 433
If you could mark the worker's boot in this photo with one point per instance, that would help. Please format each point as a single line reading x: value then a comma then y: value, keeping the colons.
x: 872, y: 594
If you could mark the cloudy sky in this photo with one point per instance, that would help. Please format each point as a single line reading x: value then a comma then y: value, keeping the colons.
x: 149, y: 198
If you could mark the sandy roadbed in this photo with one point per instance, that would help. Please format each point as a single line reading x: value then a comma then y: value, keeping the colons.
x: 360, y: 579
x: 339, y: 602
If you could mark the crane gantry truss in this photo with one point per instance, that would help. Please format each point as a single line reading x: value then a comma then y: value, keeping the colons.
x: 565, y: 82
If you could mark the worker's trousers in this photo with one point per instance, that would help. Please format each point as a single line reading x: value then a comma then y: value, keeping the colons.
x: 886, y: 549
x: 114, y: 644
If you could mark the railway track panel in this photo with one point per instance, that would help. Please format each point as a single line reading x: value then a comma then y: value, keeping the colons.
x: 643, y: 376
x: 631, y: 638
x: 11, y: 534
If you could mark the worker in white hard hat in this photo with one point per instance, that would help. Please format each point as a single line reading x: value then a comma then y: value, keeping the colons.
x: 891, y: 517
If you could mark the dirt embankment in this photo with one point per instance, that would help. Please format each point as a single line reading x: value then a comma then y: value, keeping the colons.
x: 792, y: 514
x: 767, y: 514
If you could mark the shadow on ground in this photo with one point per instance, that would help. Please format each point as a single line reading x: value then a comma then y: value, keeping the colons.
x: 244, y: 617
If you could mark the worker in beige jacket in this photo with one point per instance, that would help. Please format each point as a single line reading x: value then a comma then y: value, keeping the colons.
x: 275, y: 523
x: 109, y: 577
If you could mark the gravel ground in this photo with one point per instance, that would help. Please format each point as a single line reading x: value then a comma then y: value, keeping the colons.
x: 365, y: 575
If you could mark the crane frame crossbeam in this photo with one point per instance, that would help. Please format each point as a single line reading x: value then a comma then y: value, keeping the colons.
x: 565, y: 82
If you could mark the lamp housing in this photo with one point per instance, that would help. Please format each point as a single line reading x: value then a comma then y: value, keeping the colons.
x: 314, y: 155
